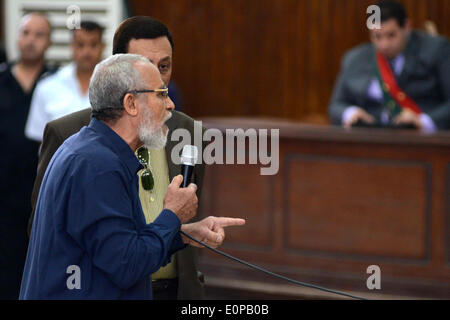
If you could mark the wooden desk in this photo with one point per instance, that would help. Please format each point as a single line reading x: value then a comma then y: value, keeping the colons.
x: 341, y: 201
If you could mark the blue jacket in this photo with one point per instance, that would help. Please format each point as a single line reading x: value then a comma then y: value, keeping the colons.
x: 89, y: 237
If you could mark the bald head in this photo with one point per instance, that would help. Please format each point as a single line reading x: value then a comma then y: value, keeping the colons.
x: 35, y: 17
x: 34, y: 37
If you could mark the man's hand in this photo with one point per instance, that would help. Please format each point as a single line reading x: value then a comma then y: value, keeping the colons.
x: 408, y: 117
x: 182, y: 201
x: 209, y: 230
x: 359, y: 115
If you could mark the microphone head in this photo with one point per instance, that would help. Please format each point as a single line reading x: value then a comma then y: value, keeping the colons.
x: 189, y: 155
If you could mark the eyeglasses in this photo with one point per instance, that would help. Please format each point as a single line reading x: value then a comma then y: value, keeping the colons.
x: 147, y: 177
x: 164, y: 92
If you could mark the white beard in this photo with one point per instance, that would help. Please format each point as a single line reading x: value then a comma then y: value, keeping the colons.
x: 152, y: 137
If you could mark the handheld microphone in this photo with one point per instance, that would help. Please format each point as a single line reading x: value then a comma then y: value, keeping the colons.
x: 189, y: 157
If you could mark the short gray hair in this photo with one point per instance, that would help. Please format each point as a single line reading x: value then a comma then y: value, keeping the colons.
x: 111, y: 79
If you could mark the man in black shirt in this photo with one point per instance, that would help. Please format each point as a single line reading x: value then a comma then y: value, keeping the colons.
x: 19, y: 157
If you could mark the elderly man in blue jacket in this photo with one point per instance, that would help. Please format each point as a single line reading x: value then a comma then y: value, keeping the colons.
x: 90, y: 239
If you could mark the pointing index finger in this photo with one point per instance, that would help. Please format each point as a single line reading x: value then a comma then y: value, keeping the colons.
x: 227, y: 222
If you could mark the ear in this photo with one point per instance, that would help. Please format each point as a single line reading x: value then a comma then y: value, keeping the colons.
x: 130, y: 105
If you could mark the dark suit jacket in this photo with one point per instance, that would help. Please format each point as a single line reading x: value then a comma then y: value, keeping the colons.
x: 57, y: 131
x: 425, y: 78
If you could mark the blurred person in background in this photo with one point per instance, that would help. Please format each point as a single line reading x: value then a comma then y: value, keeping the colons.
x: 401, y: 79
x: 20, y: 155
x: 66, y: 91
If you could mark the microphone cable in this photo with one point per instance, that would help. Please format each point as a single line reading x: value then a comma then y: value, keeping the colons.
x: 304, y: 284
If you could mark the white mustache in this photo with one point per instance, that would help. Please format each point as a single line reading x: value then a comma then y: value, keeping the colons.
x: 169, y: 115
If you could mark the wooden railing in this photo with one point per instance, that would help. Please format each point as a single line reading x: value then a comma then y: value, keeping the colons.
x: 341, y: 201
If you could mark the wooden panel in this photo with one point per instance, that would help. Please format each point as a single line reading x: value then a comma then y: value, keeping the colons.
x: 229, y: 179
x: 267, y: 57
x: 341, y: 201
x: 371, y: 211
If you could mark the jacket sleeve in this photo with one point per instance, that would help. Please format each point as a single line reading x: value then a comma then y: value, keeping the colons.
x: 103, y: 224
x: 51, y: 142
x: 441, y: 114
x: 341, y: 99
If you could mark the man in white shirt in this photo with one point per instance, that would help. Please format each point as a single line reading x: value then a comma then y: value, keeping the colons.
x: 66, y: 91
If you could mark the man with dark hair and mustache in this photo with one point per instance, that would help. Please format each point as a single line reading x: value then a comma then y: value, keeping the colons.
x: 19, y: 160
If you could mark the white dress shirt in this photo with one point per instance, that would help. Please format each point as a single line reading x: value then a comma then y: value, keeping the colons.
x: 55, y: 96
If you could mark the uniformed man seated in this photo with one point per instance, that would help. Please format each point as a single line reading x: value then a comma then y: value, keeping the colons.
x: 401, y: 79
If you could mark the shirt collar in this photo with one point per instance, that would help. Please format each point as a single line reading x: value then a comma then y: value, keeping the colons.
x: 397, y: 63
x: 117, y: 145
